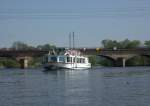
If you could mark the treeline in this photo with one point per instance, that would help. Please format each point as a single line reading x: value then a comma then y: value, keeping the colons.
x: 6, y: 62
x: 125, y: 44
x: 18, y: 45
x: 106, y: 43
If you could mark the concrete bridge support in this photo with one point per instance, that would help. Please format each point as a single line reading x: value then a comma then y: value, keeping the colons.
x: 124, y: 62
x: 120, y: 62
x: 24, y: 61
x: 119, y: 59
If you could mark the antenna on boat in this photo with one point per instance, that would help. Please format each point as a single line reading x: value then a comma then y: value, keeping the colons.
x: 73, y: 40
x: 69, y: 40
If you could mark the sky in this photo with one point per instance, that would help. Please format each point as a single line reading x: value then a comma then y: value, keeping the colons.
x: 38, y: 22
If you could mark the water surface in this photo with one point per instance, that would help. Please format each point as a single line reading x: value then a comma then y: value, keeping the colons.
x: 96, y: 87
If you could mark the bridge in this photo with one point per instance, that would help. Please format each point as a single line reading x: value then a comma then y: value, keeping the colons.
x: 22, y: 56
x: 118, y: 56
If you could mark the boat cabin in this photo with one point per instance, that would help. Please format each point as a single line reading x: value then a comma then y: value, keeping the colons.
x: 65, y: 59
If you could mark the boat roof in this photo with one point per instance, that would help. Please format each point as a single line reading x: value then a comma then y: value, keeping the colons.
x: 70, y: 53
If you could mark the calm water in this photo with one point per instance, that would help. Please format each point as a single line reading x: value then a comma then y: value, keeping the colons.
x: 96, y: 87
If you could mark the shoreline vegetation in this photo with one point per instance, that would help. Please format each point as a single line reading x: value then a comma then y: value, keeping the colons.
x: 12, y: 63
x: 95, y: 60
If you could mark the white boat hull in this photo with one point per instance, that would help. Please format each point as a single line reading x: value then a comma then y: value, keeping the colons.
x: 53, y: 66
x: 71, y: 59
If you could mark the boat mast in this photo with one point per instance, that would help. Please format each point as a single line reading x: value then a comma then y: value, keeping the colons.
x: 73, y: 40
x: 69, y: 40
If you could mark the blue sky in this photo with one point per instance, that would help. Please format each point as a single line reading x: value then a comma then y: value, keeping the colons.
x: 50, y: 21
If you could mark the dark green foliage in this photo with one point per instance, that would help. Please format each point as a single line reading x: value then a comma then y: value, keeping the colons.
x: 147, y: 43
x: 46, y: 47
x: 126, y: 44
x: 138, y: 61
x: 92, y: 60
x: 106, y: 62
x: 100, y: 61
x: 1, y: 64
x: 18, y: 45
x: 35, y: 62
x: 135, y: 61
x: 9, y: 63
x: 133, y: 44
x: 108, y: 43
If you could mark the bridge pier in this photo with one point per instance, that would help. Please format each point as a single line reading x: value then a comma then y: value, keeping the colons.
x: 23, y: 61
x: 120, y: 62
x: 124, y: 62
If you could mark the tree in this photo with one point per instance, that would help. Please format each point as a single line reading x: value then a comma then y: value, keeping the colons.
x: 126, y: 44
x: 10, y: 63
x: 46, y: 47
x: 18, y: 45
x: 108, y: 44
x: 147, y: 43
x: 133, y: 44
x: 123, y: 44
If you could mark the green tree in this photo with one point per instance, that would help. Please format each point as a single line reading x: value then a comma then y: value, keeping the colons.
x: 46, y: 47
x: 108, y: 44
x: 18, y: 45
x: 133, y: 44
x: 10, y: 63
x: 92, y: 60
x: 126, y: 44
x: 35, y: 62
x: 105, y: 62
x: 147, y: 43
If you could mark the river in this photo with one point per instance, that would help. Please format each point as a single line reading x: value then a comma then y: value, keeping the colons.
x: 95, y: 87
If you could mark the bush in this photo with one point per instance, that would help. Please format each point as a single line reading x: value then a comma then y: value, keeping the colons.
x: 10, y: 63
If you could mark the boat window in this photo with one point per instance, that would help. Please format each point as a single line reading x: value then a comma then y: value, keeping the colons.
x: 78, y: 60
x: 74, y: 60
x: 61, y: 59
x: 82, y: 60
x: 54, y: 59
x: 69, y: 59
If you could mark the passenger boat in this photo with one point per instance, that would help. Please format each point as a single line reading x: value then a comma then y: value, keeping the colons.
x: 71, y: 59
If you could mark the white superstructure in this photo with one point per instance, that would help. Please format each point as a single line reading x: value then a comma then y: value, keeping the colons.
x: 71, y: 59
